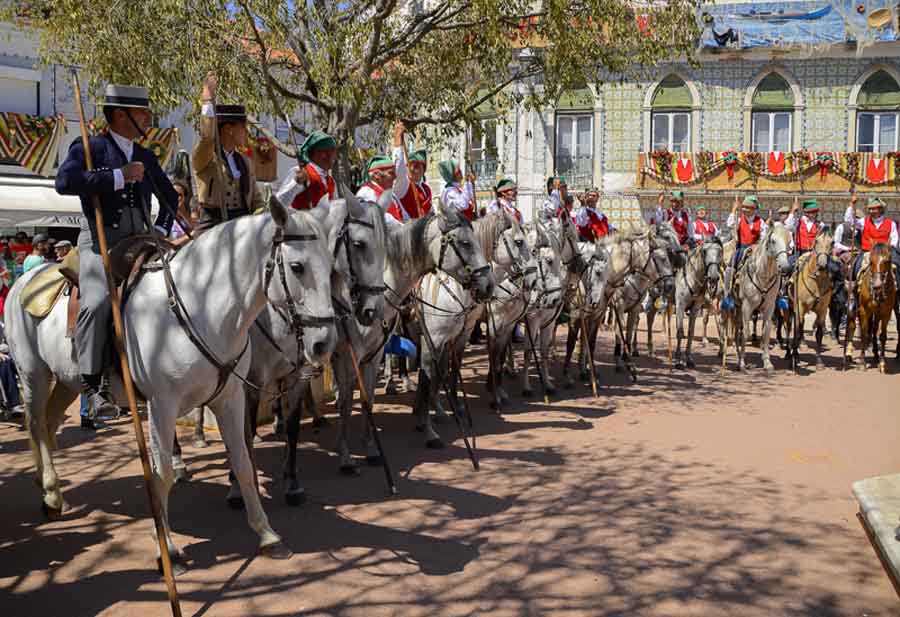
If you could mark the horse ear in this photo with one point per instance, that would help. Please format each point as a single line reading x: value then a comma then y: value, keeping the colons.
x: 278, y: 211
x: 384, y: 200
x: 334, y: 222
x: 448, y: 216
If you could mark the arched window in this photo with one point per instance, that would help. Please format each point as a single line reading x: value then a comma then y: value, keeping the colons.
x: 773, y: 115
x: 877, y: 118
x: 671, y: 115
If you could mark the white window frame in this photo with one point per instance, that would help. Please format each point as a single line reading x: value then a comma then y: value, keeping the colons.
x: 876, y: 130
x: 574, y: 117
x: 482, y: 150
x: 671, y: 138
x: 771, y: 117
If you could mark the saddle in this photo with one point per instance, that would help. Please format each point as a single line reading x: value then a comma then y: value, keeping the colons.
x: 129, y: 259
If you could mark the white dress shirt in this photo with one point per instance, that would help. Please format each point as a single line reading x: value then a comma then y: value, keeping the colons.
x: 127, y: 148
x: 457, y: 197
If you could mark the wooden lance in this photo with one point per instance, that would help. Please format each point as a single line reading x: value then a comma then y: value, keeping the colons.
x: 119, y: 336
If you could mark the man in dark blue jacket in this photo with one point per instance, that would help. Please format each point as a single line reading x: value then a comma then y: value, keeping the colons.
x: 124, y: 177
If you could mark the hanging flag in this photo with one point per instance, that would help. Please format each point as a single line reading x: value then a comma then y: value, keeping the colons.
x: 684, y: 169
x: 32, y: 141
x: 775, y: 163
x: 875, y: 170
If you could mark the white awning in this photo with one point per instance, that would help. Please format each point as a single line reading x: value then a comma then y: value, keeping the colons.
x: 23, y: 201
x: 34, y: 202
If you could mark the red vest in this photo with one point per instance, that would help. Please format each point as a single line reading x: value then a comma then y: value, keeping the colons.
x: 806, y: 240
x: 680, y: 223
x: 597, y: 227
x: 872, y: 235
x: 705, y: 229
x: 316, y: 189
x: 470, y: 212
x: 749, y: 234
x: 408, y: 203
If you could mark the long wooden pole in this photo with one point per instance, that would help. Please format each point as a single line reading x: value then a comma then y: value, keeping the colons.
x: 119, y: 333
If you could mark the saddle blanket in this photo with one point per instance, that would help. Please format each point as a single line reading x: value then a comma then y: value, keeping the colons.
x: 879, y: 513
x: 42, y: 291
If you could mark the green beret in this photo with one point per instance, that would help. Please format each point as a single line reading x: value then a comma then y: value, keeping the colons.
x: 317, y: 140
x: 379, y: 161
x: 679, y: 195
x: 751, y: 200
x: 700, y: 207
x: 419, y: 156
x: 810, y: 205
x: 874, y: 202
x: 447, y: 169
x: 504, y: 185
x: 562, y: 182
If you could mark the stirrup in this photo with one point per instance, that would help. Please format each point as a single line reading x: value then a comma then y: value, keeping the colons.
x: 728, y: 303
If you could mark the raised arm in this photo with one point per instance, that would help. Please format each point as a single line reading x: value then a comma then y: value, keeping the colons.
x: 850, y: 219
x: 205, y: 149
x: 401, y: 165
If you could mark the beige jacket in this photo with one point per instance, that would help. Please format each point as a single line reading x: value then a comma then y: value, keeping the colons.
x: 215, y: 186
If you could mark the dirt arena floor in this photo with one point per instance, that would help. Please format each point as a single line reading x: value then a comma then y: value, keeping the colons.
x: 686, y: 494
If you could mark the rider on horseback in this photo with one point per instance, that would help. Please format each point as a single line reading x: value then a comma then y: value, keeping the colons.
x: 748, y: 228
x: 456, y: 194
x: 124, y: 177
x: 226, y: 182
x: 876, y: 229
x: 678, y: 213
x: 306, y: 186
x: 506, y: 191
x: 412, y: 195
x: 555, y: 204
x: 592, y: 224
x: 704, y: 229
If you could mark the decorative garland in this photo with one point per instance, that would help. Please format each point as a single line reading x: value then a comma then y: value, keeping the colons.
x: 798, y: 165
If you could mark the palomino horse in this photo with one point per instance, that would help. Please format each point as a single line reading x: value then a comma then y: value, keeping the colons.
x: 810, y: 291
x: 877, y: 295
x: 694, y: 283
x: 224, y: 279
x: 447, y: 312
x: 756, y: 289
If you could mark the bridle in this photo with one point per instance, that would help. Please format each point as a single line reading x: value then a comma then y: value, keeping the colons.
x: 707, y: 266
x: 448, y: 239
x: 752, y: 269
x: 358, y: 291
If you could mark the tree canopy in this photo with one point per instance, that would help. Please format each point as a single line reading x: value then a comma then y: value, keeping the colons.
x: 361, y: 62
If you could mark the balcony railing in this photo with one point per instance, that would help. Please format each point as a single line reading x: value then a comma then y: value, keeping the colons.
x: 578, y: 171
x: 486, y: 172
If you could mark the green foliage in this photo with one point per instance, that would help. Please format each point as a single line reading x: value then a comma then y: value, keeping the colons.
x: 360, y: 62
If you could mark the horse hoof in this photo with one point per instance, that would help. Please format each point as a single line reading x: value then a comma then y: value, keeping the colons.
x: 320, y: 422
x: 820, y: 365
x: 551, y: 391
x: 182, y: 476
x: 296, y: 497
x: 391, y: 389
x: 882, y: 367
x: 528, y: 392
x: 179, y: 565
x: 279, y: 428
x: 770, y: 371
x: 278, y: 551
x: 52, y: 514
x: 679, y: 364
x: 691, y: 364
x: 201, y: 443
x: 435, y: 444
x: 349, y: 469
x: 235, y: 502
x: 374, y: 460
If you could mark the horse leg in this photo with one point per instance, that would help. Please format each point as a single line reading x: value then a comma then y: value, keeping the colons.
x: 679, y: 334
x: 764, y: 343
x: 526, y: 358
x: 689, y: 354
x: 571, y: 337
x: 162, y: 438
x: 740, y: 342
x: 373, y: 454
x: 294, y: 493
x: 651, y: 318
x: 344, y: 376
x: 863, y: 336
x: 755, y: 338
x: 235, y: 498
x: 178, y: 467
x: 199, y: 437
x: 41, y: 404
x: 544, y: 358
x: 882, y: 365
x: 705, y: 340
x: 820, y: 333
x: 432, y: 438
x: 230, y: 415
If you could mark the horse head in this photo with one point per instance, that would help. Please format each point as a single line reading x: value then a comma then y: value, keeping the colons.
x: 660, y: 257
x: 457, y: 251
x: 712, y: 263
x: 778, y: 246
x: 880, y: 271
x: 823, y: 246
x: 677, y: 254
x: 548, y: 291
x: 358, y: 233
x: 597, y: 274
x: 302, y: 251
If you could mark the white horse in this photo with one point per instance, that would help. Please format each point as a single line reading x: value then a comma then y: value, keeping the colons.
x: 756, y: 289
x: 221, y: 278
x: 694, y: 283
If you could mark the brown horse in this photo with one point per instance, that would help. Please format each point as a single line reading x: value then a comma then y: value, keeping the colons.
x: 811, y: 289
x: 877, y: 293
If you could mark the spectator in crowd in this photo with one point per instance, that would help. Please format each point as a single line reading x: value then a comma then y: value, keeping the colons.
x: 9, y: 385
x: 62, y: 249
x: 20, y: 244
x: 38, y: 254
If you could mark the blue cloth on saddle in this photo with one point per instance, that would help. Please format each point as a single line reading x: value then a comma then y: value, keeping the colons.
x: 400, y: 346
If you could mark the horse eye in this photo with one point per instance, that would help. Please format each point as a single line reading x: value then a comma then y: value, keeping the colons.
x: 358, y: 244
x: 548, y: 261
x: 297, y: 268
x: 465, y: 244
x: 519, y: 242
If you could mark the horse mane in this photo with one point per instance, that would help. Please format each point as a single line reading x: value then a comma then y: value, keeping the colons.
x: 880, y: 250
x: 406, y: 244
x: 488, y: 231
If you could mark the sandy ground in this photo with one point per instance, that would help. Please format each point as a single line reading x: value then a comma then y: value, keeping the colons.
x: 684, y: 494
